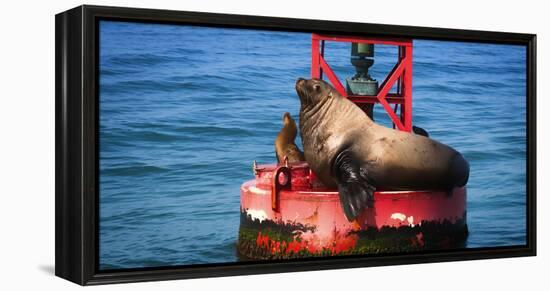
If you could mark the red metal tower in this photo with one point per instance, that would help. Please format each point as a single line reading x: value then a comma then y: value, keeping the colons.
x: 401, y: 73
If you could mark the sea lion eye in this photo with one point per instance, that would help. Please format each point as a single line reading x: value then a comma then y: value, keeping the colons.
x: 316, y: 87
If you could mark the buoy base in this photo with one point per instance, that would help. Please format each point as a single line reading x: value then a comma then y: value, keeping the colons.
x: 287, y: 213
x: 278, y: 240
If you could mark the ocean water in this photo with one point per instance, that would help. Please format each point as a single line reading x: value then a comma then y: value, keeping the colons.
x: 184, y: 111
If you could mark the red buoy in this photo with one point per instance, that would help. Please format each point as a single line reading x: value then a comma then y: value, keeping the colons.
x: 287, y: 213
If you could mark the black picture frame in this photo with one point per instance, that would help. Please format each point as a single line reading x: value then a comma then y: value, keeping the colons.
x: 76, y: 151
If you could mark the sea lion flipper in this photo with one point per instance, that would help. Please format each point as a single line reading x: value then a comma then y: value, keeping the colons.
x: 354, y: 189
x: 420, y: 131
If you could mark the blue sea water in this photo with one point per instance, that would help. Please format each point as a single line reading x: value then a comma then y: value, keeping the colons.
x: 184, y: 111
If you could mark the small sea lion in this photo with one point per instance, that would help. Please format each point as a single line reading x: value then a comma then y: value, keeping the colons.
x: 284, y: 143
x: 348, y: 151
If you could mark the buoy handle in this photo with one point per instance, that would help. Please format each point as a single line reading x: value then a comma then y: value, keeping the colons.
x: 281, y: 180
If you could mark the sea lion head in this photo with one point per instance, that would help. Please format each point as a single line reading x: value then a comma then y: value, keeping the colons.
x: 313, y: 91
x: 287, y: 119
x: 289, y: 125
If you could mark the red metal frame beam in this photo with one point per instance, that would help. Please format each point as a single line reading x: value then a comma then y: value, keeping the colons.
x: 386, y: 41
x: 315, y: 71
x: 391, y: 98
x: 407, y: 89
x: 394, y: 75
x: 332, y: 77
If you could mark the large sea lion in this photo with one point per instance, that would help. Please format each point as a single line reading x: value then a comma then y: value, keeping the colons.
x: 347, y: 150
x: 284, y: 143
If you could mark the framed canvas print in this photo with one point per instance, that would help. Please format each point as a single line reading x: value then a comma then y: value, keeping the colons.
x: 197, y: 144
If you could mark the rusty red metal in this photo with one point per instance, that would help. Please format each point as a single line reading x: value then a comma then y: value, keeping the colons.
x: 400, y: 74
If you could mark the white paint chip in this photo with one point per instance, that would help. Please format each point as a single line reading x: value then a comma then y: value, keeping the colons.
x: 399, y: 216
x: 410, y: 220
x: 258, y: 191
x: 257, y: 214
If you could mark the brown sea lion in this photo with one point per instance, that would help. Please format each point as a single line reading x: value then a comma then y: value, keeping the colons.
x: 348, y: 151
x: 284, y: 144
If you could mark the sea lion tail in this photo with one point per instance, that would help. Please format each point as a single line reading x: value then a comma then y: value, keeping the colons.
x: 354, y: 189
